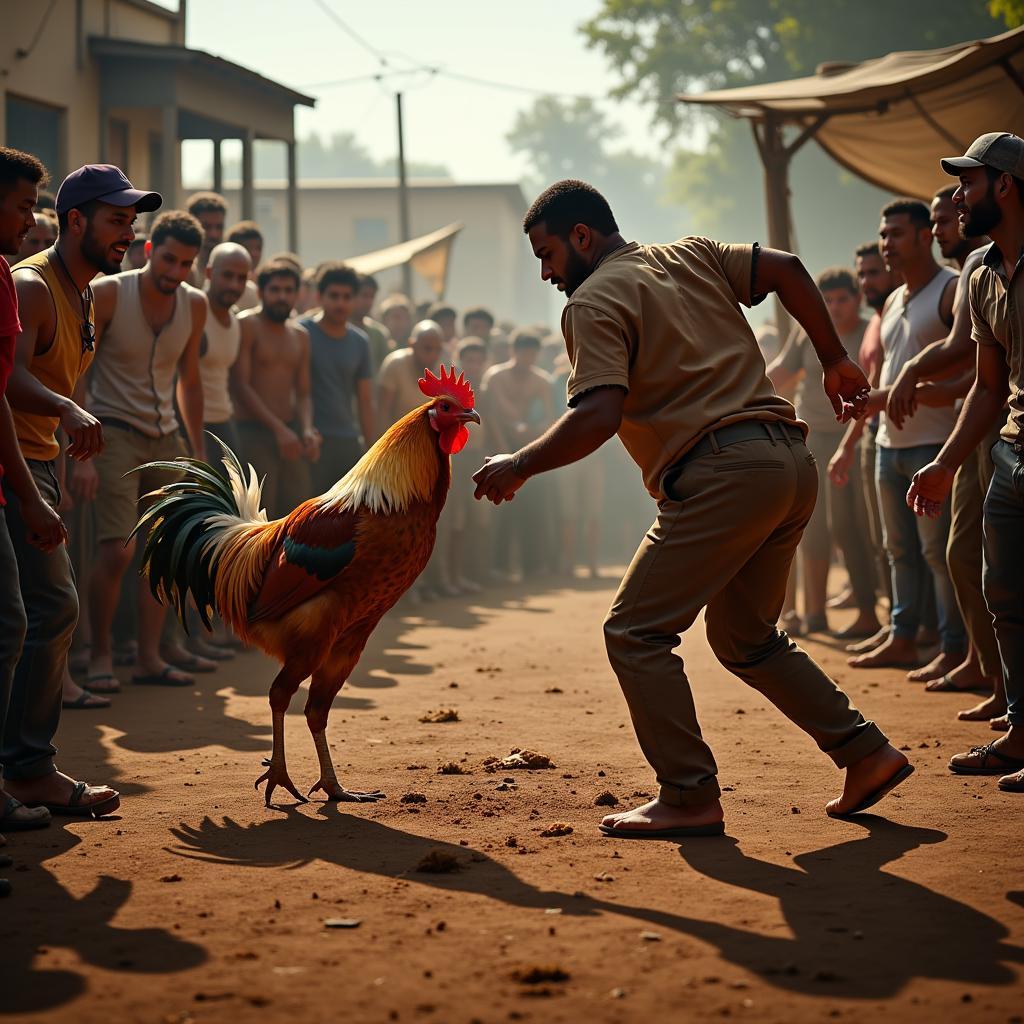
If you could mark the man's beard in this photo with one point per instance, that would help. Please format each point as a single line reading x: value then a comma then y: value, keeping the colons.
x: 278, y: 313
x: 982, y: 217
x: 577, y: 270
x: 226, y: 299
x: 876, y: 302
x: 95, y: 254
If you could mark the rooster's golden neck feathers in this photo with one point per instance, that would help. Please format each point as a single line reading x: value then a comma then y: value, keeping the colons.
x: 402, y: 467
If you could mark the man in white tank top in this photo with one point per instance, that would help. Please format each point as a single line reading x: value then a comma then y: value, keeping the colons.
x: 149, y: 323
x: 917, y: 313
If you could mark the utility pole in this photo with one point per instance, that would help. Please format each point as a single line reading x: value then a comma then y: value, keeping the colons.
x: 403, y: 198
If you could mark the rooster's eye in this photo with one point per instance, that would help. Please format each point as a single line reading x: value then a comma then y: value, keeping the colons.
x: 445, y: 407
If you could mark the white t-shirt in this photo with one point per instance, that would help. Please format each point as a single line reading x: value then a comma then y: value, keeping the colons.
x: 218, y: 351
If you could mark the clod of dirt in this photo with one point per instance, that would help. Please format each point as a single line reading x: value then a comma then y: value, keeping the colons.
x: 554, y: 689
x: 650, y: 937
x: 171, y: 878
x: 606, y: 799
x: 794, y: 810
x: 512, y: 842
x: 441, y: 715
x: 559, y: 828
x: 539, y: 975
x: 604, y: 877
x: 342, y: 922
x: 451, y: 768
x: 505, y: 787
x: 413, y: 798
x: 414, y: 767
x: 519, y: 758
x: 438, y: 862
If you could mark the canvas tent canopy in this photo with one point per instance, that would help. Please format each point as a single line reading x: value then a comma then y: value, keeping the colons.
x: 429, y: 255
x: 888, y: 120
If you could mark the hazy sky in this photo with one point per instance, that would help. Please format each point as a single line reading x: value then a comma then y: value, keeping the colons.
x: 531, y: 44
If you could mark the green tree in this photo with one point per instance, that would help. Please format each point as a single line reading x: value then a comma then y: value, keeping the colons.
x: 662, y: 47
x: 573, y: 139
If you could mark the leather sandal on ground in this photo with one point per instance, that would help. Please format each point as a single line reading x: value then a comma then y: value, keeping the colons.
x: 164, y: 677
x: 16, y: 817
x: 875, y: 795
x: 92, y: 683
x: 74, y: 808
x: 716, y: 828
x: 85, y: 701
x: 990, y: 762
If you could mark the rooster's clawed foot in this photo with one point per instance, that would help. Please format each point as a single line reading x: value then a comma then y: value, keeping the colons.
x: 336, y: 792
x: 277, y: 775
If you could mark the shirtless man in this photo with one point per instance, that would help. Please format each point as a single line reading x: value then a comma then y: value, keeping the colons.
x: 397, y: 388
x: 520, y: 400
x: 271, y: 383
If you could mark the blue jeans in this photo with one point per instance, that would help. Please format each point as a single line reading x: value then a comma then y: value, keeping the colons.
x: 907, y: 534
x: 1004, y: 558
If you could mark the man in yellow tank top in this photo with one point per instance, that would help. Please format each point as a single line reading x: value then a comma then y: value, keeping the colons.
x: 96, y: 206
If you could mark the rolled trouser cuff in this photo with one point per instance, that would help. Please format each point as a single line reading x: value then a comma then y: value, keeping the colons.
x: 675, y: 796
x: 33, y: 770
x: 865, y: 741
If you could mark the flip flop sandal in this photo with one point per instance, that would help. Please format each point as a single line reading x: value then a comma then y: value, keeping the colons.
x: 90, y: 682
x: 1012, y: 783
x: 74, y: 808
x: 872, y: 798
x: 683, y: 832
x: 946, y: 685
x: 191, y: 664
x: 162, y: 678
x: 19, y: 817
x: 85, y: 701
x: 1005, y: 764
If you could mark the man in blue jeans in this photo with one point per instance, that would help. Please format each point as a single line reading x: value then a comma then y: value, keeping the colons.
x: 917, y: 313
x: 990, y: 201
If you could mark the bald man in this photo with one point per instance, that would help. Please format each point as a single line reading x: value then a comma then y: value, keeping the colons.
x: 226, y: 275
x: 397, y: 388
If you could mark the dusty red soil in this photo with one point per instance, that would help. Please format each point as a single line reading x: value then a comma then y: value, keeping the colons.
x: 199, y: 904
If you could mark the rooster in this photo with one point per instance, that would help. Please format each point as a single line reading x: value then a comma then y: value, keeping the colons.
x: 309, y: 589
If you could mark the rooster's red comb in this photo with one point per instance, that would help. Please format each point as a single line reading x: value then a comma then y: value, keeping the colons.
x: 457, y: 388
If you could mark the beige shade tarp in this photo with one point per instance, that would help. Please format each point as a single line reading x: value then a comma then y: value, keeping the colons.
x: 428, y: 255
x: 890, y: 120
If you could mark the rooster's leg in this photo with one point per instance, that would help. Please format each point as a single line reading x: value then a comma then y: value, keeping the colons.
x: 328, y: 780
x: 323, y: 688
x: 277, y: 771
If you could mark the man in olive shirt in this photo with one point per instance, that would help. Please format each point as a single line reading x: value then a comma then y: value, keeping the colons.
x: 662, y: 355
x: 990, y: 201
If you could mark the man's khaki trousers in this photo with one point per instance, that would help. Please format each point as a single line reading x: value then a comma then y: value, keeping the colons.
x: 724, y: 540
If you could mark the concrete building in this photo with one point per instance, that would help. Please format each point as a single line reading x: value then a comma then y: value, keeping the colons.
x: 111, y: 81
x: 491, y: 260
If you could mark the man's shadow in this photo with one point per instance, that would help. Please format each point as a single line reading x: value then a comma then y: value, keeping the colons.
x: 42, y: 914
x: 857, y: 931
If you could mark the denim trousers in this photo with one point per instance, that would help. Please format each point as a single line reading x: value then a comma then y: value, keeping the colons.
x: 1004, y: 570
x: 907, y: 537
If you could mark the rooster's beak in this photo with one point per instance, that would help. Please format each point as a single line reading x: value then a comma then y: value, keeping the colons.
x: 469, y: 414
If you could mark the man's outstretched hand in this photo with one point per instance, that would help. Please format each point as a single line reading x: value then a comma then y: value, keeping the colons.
x: 929, y: 489
x: 496, y: 480
x: 847, y: 389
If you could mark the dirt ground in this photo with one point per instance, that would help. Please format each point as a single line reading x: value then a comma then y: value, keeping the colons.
x: 199, y: 904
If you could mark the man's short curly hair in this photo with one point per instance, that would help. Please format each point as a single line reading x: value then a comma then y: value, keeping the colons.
x: 180, y: 226
x: 567, y: 203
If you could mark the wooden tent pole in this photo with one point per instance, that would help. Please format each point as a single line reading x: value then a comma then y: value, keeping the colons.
x: 775, y: 158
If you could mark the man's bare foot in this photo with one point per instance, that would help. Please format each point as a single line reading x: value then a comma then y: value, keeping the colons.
x: 180, y: 657
x: 871, y: 643
x: 999, y: 724
x: 895, y: 652
x: 869, y: 777
x: 941, y: 665
x: 56, y: 789
x: 655, y: 816
x: 986, y: 710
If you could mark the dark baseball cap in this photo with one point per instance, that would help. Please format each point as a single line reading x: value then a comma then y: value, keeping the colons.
x: 106, y: 183
x: 999, y: 150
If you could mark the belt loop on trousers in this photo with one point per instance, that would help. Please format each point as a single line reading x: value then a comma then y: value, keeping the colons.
x: 715, y: 446
x: 786, y: 439
x: 768, y: 430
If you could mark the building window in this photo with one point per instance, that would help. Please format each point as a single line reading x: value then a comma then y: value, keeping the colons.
x: 118, y: 138
x: 37, y: 129
x: 371, y: 233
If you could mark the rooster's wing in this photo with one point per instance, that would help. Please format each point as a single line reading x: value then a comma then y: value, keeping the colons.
x: 317, y: 545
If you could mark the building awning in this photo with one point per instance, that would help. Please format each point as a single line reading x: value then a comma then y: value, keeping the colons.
x: 890, y: 119
x: 429, y: 255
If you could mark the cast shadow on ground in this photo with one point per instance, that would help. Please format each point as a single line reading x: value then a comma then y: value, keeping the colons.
x: 43, y: 915
x: 856, y: 930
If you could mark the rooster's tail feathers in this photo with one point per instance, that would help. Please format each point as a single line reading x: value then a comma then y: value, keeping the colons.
x: 190, y: 522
